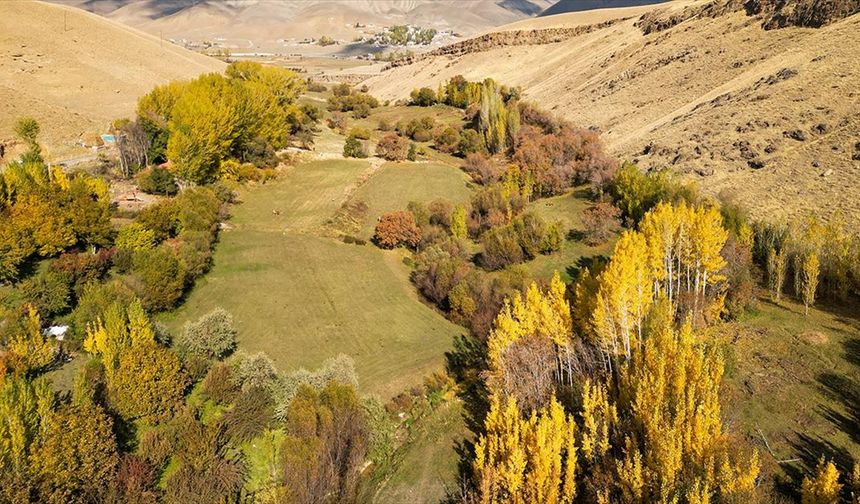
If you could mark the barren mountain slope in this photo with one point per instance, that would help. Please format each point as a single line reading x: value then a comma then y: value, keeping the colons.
x: 75, y: 72
x: 771, y: 115
x: 259, y: 23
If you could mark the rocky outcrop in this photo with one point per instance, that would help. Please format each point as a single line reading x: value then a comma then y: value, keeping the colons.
x: 773, y: 13
x: 809, y: 13
x: 509, y: 38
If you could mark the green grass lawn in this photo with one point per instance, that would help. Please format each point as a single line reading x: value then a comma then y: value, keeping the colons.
x: 425, y: 468
x: 795, y: 381
x: 396, y: 184
x: 301, y: 298
x: 567, y: 208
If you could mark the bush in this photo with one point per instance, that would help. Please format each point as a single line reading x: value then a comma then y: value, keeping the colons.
x: 501, y: 248
x: 354, y: 148
x: 423, y: 97
x: 212, y: 335
x: 162, y: 278
x: 337, y: 121
x: 530, y: 230
x: 162, y: 218
x: 134, y: 237
x: 256, y: 370
x: 250, y: 416
x: 635, y: 192
x: 448, y: 140
x: 360, y: 133
x: 412, y: 155
x: 392, y: 147
x: 419, y: 129
x: 384, y: 125
x: 481, y: 168
x: 471, y: 142
x: 49, y: 292
x: 395, y: 229
x: 157, y: 180
x: 220, y: 384
x: 601, y: 221
x: 316, y: 87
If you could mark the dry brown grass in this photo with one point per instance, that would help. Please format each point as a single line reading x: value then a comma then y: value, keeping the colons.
x: 75, y: 72
x: 709, y: 93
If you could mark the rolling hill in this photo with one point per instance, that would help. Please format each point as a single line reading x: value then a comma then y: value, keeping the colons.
x: 76, y: 72
x: 262, y: 25
x: 771, y: 116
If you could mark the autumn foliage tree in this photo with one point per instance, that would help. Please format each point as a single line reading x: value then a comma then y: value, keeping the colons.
x: 395, y: 229
x: 144, y: 379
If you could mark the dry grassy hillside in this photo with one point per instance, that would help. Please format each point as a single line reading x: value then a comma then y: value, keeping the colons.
x: 258, y: 25
x: 75, y: 72
x: 772, y: 116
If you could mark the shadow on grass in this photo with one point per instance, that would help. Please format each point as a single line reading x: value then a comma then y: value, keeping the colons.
x: 584, y: 263
x: 844, y: 390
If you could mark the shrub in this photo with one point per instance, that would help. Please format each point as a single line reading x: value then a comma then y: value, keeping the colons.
x: 359, y: 132
x: 530, y: 230
x: 232, y: 169
x: 250, y: 416
x: 342, y: 89
x: 256, y: 370
x: 395, y: 229
x: 354, y: 148
x: 212, y: 335
x: 501, y: 248
x: 134, y: 237
x: 471, y: 142
x: 49, y: 292
x: 316, y: 87
x: 94, y: 301
x: 156, y: 396
x: 447, y: 140
x: 552, y: 238
x: 162, y: 277
x: 423, y: 97
x: 481, y: 168
x: 83, y: 268
x: 601, y: 222
x: 325, y: 40
x: 337, y: 121
x: 384, y: 125
x: 162, y: 218
x: 157, y: 180
x: 392, y: 148
x: 635, y: 192
x: 220, y: 383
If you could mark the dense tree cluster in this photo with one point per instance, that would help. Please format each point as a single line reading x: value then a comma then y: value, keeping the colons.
x: 346, y: 99
x: 198, y: 124
x: 44, y: 211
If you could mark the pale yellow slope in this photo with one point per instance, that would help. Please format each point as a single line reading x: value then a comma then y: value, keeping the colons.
x: 698, y: 91
x: 76, y: 72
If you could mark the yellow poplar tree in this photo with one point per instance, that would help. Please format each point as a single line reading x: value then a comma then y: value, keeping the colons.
x: 824, y: 487
x: 30, y: 350
x: 623, y: 298
x: 540, y: 314
x: 809, y: 280
x: 526, y: 460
